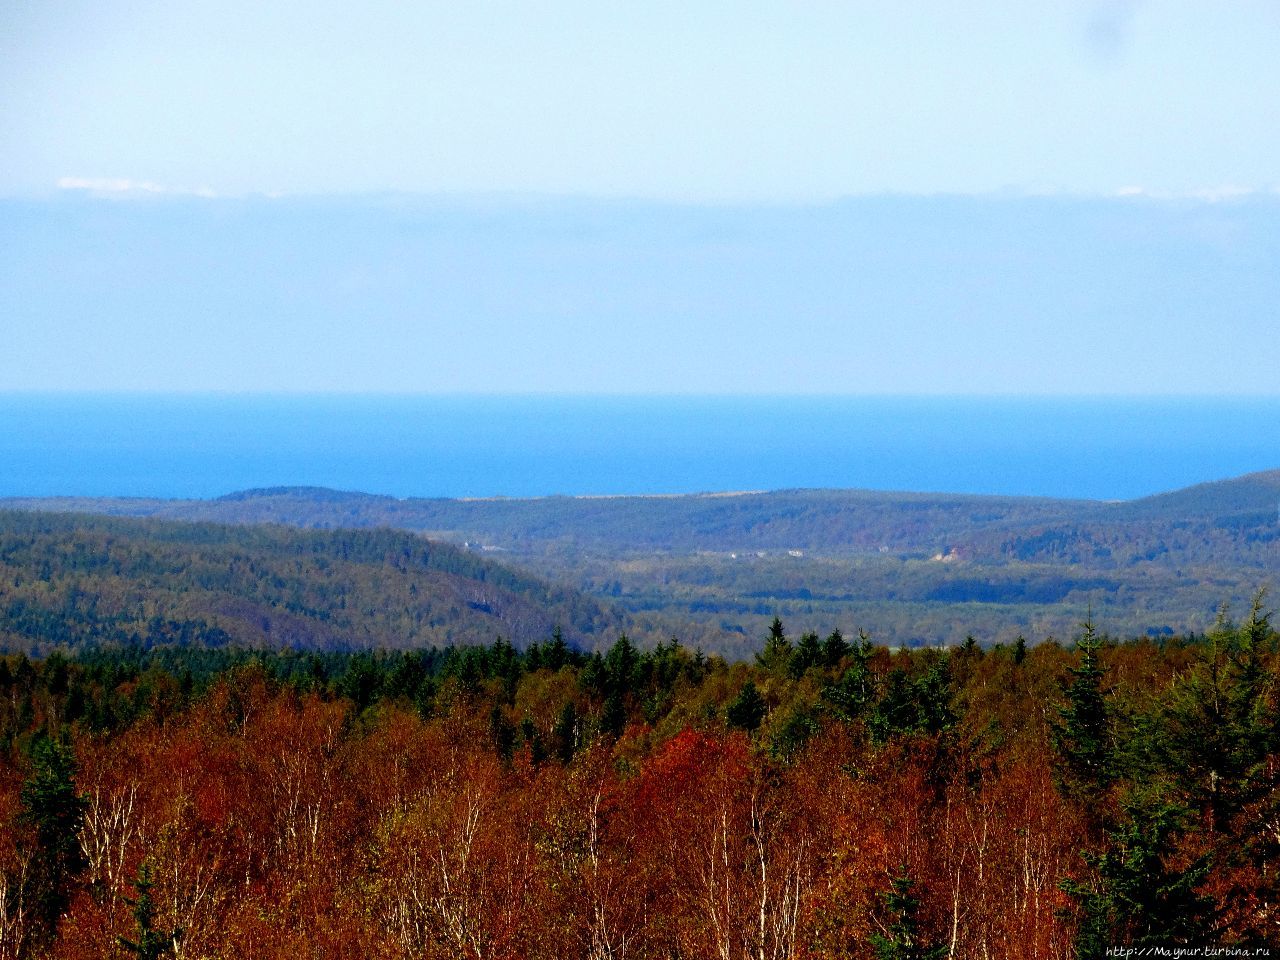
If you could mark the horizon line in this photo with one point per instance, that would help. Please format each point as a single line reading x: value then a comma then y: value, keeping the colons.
x: 361, y: 393
x: 146, y: 191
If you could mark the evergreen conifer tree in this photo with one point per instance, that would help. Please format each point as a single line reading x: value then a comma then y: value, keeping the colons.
x: 556, y: 653
x: 1083, y: 735
x: 613, y: 716
x: 1138, y: 899
x: 808, y: 653
x: 834, y: 649
x: 537, y: 749
x: 1220, y: 725
x: 594, y: 678
x: 564, y: 735
x: 897, y: 711
x: 776, y: 654
x: 55, y: 811
x: 149, y: 943
x: 747, y: 710
x: 503, y: 733
x: 920, y: 705
x: 855, y: 691
x: 621, y: 664
x: 933, y: 697
x: 901, y: 938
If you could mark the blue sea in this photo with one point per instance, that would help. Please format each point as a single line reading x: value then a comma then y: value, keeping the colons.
x: 520, y: 446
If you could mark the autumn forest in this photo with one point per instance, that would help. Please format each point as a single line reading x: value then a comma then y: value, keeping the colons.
x: 831, y: 798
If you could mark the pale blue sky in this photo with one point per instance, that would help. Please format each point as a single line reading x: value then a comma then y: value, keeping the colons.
x: 641, y: 197
x: 869, y: 295
x: 708, y: 100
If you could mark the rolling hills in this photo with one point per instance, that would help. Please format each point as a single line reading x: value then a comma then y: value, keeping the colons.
x: 908, y: 567
x: 70, y: 579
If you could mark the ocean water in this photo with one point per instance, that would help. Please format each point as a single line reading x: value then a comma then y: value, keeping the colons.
x: 518, y: 446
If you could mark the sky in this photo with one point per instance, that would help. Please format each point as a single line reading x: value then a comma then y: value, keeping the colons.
x: 1065, y: 196
x: 706, y: 101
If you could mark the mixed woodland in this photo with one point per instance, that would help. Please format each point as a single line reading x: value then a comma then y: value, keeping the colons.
x: 271, y: 739
x: 830, y: 798
x: 913, y: 568
x: 68, y: 580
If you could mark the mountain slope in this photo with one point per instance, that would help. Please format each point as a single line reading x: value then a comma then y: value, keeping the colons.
x: 1251, y: 494
x: 715, y: 568
x: 819, y: 520
x: 70, y: 578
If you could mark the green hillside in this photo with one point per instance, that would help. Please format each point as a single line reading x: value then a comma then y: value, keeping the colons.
x: 826, y: 520
x: 1252, y: 494
x: 714, y: 569
x: 73, y: 579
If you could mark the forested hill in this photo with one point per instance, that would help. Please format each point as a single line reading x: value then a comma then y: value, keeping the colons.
x: 1255, y: 494
x: 911, y: 568
x: 66, y: 579
x: 827, y: 521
